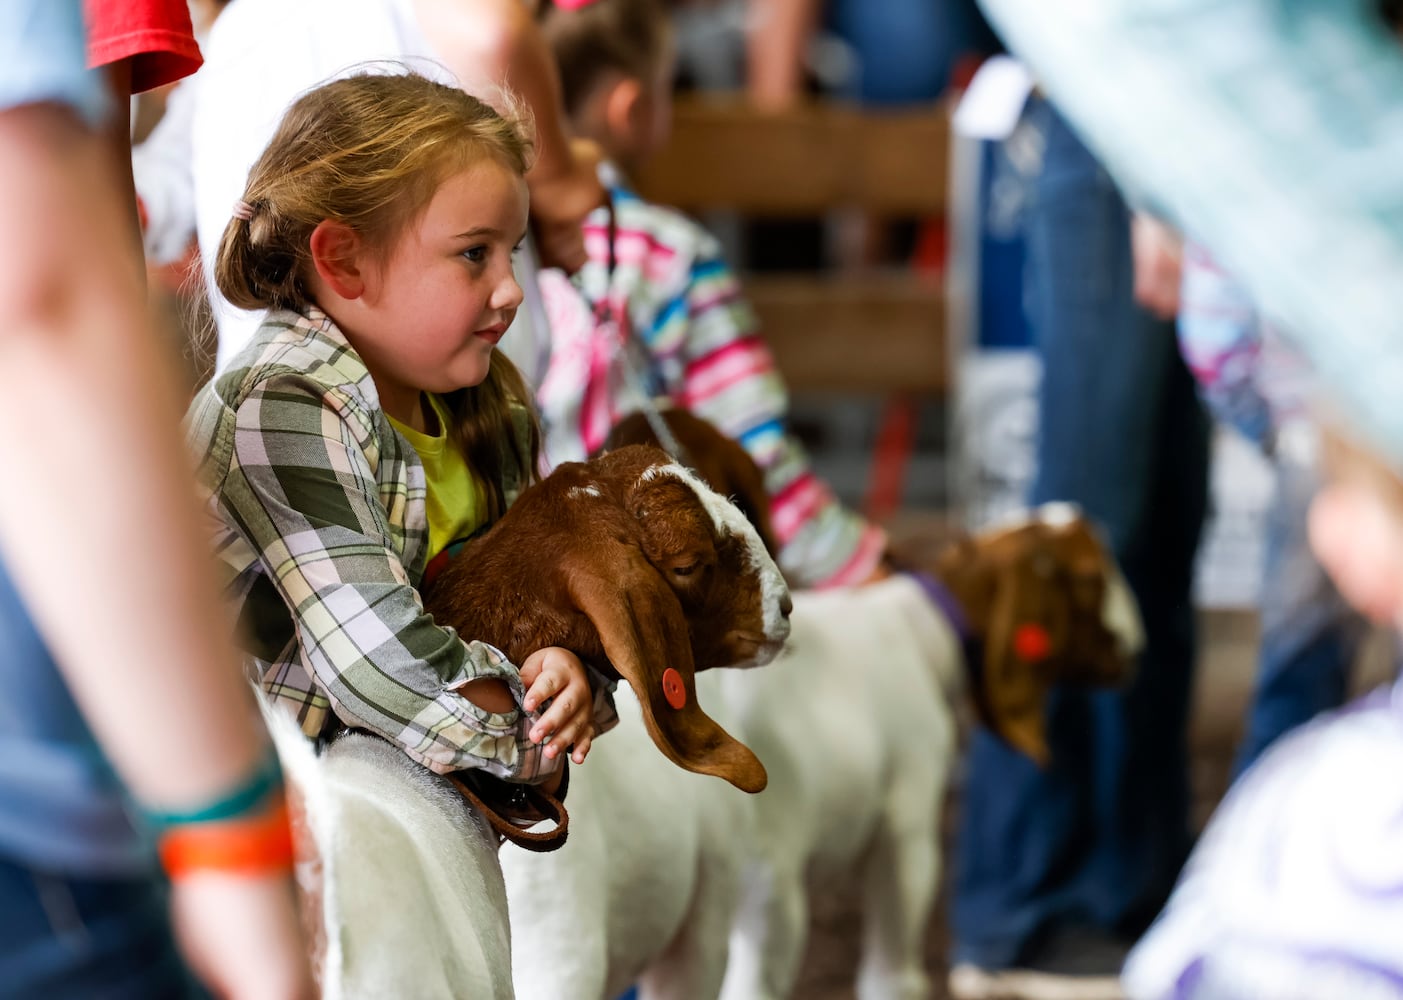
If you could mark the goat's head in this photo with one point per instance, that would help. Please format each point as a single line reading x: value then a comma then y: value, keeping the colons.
x: 1049, y: 605
x: 719, y: 461
x: 635, y: 565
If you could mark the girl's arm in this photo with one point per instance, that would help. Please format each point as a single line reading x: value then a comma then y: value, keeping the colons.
x: 302, y: 490
x: 490, y: 44
x: 165, y: 181
x: 98, y: 527
x: 777, y: 38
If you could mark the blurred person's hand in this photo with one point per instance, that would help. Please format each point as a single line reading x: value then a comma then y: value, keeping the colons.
x: 1357, y: 535
x: 1158, y: 254
x: 559, y: 204
x: 777, y: 36
x: 241, y: 936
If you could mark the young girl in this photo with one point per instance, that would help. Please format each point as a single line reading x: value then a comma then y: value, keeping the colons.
x: 371, y: 421
x: 670, y: 318
x: 1293, y: 890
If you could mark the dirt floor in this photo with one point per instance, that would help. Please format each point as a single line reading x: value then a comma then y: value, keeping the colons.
x: 1223, y: 686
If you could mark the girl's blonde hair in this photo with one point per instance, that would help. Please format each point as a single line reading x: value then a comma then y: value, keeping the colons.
x: 602, y: 36
x: 369, y: 151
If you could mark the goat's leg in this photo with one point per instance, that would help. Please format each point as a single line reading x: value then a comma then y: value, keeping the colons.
x: 902, y: 876
x: 694, y: 964
x: 768, y: 935
x: 558, y: 913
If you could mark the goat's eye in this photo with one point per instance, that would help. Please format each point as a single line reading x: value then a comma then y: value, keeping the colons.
x: 686, y: 570
x: 1088, y: 588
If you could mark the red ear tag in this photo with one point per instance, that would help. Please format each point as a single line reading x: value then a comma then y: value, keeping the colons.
x: 673, y: 689
x: 1031, y: 643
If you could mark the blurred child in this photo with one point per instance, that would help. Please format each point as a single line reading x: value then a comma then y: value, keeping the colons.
x: 669, y: 319
x: 1293, y: 891
x: 1252, y: 381
x: 370, y: 421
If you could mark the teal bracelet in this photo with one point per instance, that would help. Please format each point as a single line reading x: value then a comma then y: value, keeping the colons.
x: 245, y: 799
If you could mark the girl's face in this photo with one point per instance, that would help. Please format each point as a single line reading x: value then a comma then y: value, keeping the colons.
x: 1356, y: 534
x: 438, y: 301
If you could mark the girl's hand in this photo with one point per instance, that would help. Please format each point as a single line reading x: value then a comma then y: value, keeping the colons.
x: 559, y: 204
x: 557, y: 674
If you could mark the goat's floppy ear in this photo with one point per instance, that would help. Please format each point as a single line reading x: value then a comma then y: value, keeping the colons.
x: 746, y: 488
x: 1023, y: 633
x: 644, y: 635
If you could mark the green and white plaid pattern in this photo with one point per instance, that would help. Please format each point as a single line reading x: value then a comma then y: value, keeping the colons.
x: 321, y: 534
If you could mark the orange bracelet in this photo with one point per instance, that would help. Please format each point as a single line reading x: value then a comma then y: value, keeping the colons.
x: 246, y: 846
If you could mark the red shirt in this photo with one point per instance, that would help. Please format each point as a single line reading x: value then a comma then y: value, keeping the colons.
x: 155, y: 35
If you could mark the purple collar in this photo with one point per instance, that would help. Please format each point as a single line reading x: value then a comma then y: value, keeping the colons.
x: 970, y: 644
x: 941, y: 597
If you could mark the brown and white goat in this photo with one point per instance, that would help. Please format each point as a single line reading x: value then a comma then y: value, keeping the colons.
x: 857, y: 728
x: 637, y: 567
x: 632, y: 563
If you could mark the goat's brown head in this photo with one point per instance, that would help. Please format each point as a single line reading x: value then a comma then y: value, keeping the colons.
x: 720, y: 462
x: 1047, y: 602
x: 647, y: 575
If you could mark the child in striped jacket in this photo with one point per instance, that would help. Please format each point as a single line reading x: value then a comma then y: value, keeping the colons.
x: 662, y: 315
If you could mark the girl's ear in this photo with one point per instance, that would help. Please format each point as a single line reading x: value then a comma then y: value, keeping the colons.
x: 624, y: 112
x: 337, y: 252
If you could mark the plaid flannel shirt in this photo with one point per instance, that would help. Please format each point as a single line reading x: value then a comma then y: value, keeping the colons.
x: 321, y: 534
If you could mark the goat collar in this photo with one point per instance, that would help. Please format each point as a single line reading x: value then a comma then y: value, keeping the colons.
x: 971, y: 645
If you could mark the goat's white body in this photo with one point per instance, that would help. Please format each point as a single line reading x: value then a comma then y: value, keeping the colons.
x: 412, y: 902
x: 858, y: 732
x: 645, y: 886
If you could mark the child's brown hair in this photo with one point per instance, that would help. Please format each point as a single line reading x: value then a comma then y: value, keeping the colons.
x: 600, y: 36
x: 1345, y: 460
x: 369, y: 151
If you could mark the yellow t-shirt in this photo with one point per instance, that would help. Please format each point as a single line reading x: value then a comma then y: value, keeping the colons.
x: 456, y: 504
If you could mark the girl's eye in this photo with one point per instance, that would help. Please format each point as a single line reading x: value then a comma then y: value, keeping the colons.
x: 516, y: 250
x: 475, y: 254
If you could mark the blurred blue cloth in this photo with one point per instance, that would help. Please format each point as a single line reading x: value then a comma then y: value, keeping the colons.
x: 43, y: 58
x: 1271, y: 130
x: 906, y: 50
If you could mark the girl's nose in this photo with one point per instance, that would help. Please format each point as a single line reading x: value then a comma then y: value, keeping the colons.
x: 508, y: 293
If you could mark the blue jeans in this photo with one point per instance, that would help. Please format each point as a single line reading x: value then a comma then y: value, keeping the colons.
x: 907, y: 49
x: 1310, y: 636
x: 1097, y: 839
x: 87, y: 939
